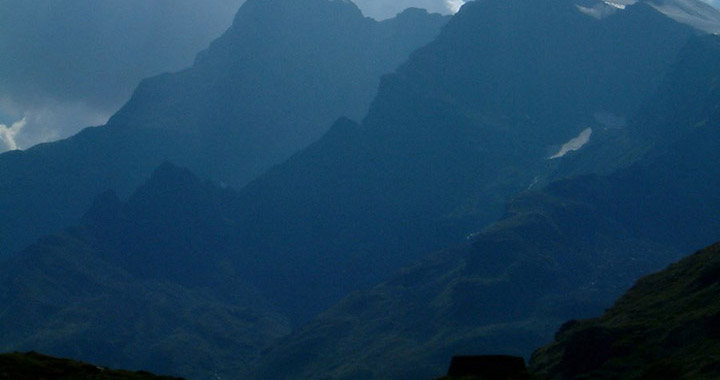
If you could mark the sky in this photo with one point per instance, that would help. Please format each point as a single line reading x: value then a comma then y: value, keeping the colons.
x: 69, y: 64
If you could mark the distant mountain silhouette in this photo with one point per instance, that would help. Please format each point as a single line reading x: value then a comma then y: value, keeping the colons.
x: 273, y: 83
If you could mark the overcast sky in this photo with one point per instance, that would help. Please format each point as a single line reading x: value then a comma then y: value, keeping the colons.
x: 68, y: 64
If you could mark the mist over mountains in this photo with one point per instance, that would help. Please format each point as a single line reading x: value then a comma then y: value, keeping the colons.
x: 324, y: 195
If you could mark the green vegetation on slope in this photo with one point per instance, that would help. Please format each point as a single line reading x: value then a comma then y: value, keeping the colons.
x: 666, y: 327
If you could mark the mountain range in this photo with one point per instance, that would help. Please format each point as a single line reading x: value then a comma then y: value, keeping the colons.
x: 273, y: 83
x: 565, y: 251
x: 522, y: 168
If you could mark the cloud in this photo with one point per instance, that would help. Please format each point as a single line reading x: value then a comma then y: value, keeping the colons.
x: 8, y: 134
x: 49, y: 120
x: 383, y: 9
x: 454, y: 5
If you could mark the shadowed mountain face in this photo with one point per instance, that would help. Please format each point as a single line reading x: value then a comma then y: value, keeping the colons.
x: 551, y: 258
x: 564, y: 252
x: 665, y: 327
x: 273, y: 83
x: 142, y: 284
x: 468, y: 121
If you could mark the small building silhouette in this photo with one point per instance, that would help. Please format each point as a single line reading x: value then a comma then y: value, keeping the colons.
x: 489, y: 367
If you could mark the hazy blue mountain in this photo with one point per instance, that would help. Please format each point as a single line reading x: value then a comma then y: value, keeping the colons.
x: 469, y: 120
x: 273, y: 83
x: 665, y: 327
x: 491, y: 108
x: 141, y: 284
x: 563, y: 252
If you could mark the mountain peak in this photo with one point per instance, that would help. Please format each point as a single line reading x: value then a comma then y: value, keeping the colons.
x: 249, y: 13
x: 167, y: 173
x: 106, y: 206
x: 170, y: 188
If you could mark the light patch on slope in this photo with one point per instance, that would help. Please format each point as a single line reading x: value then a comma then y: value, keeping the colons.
x: 7, y: 134
x: 454, y: 5
x: 699, y: 15
x: 602, y: 9
x: 599, y: 11
x: 616, y: 5
x: 575, y: 144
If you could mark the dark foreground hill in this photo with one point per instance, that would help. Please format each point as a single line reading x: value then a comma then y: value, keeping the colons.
x: 666, y: 327
x: 34, y: 366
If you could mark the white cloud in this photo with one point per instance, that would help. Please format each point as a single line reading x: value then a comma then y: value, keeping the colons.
x: 49, y: 120
x: 454, y: 5
x: 384, y: 9
x: 8, y: 134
